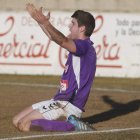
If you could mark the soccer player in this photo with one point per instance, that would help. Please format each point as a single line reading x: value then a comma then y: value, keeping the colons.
x: 76, y: 80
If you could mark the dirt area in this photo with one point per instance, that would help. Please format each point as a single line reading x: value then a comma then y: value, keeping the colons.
x: 114, y: 103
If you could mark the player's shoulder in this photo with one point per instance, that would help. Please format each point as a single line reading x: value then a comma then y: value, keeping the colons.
x: 85, y: 42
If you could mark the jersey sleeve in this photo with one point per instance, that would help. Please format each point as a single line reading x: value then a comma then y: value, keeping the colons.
x: 81, y: 47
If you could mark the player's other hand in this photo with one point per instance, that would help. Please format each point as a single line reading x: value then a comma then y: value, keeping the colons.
x: 37, y: 14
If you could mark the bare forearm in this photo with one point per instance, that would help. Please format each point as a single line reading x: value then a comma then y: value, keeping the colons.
x: 56, y: 36
x: 45, y: 31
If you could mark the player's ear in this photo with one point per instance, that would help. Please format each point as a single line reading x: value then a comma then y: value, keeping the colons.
x: 82, y: 29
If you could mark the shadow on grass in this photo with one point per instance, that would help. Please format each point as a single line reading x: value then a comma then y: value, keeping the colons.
x: 118, y: 109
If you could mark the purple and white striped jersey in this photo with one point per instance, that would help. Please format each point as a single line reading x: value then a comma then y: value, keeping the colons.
x: 78, y: 75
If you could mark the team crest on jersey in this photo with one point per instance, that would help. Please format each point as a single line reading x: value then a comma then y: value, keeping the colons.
x: 63, y: 85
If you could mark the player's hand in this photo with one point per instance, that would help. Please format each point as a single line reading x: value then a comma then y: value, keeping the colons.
x: 37, y: 14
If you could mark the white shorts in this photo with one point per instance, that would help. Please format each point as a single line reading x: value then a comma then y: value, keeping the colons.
x: 51, y: 110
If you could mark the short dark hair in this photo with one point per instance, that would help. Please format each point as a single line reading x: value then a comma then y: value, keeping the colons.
x: 85, y: 19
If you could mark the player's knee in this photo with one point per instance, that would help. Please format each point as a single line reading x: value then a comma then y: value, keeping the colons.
x: 24, y: 126
x: 25, y: 129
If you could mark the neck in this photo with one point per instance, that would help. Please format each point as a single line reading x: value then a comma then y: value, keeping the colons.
x: 82, y: 37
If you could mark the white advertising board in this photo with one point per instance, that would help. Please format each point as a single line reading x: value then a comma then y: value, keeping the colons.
x: 25, y: 49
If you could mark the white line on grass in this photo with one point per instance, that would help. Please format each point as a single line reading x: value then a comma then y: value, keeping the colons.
x: 57, y: 86
x: 72, y: 133
x: 29, y: 84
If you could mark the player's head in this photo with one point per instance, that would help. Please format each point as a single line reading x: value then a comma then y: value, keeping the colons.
x: 85, y: 22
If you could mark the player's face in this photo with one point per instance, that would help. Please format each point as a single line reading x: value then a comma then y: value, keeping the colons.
x: 74, y: 29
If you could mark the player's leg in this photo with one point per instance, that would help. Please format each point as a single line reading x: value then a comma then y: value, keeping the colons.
x: 52, y: 125
x: 52, y: 111
x: 48, y: 110
x: 22, y: 114
x: 25, y: 122
x: 73, y: 117
x: 26, y: 111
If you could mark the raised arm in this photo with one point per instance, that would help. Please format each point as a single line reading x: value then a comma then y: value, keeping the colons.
x: 43, y: 28
x: 45, y: 31
x: 49, y: 29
